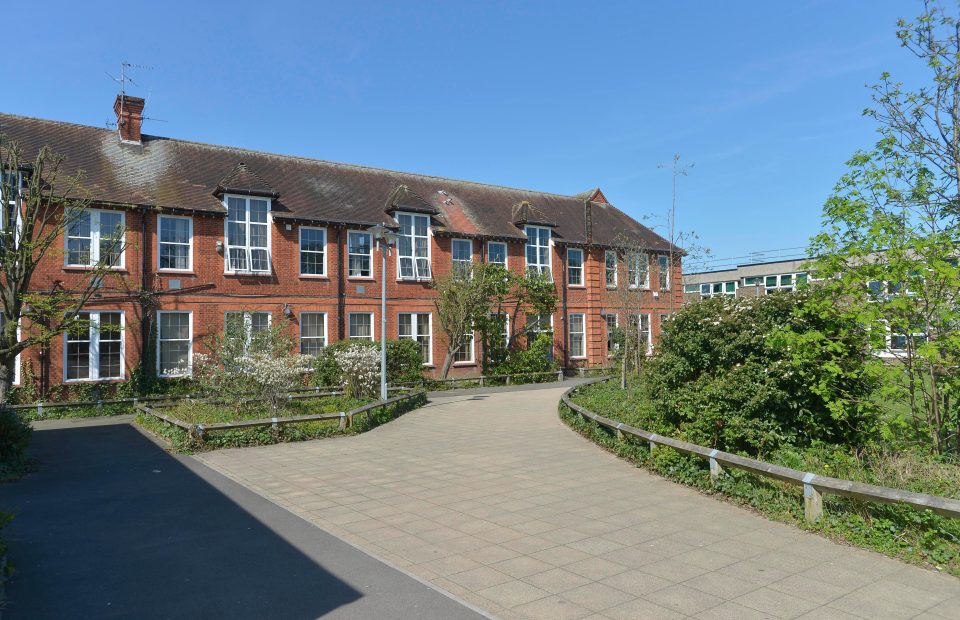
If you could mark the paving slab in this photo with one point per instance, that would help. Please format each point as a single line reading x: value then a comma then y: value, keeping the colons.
x: 491, y: 497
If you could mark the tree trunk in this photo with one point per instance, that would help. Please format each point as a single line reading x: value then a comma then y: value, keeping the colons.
x: 447, y: 363
x: 7, y: 369
x: 936, y: 422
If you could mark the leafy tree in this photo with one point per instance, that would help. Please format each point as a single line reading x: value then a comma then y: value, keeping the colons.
x: 38, y: 204
x: 891, y: 231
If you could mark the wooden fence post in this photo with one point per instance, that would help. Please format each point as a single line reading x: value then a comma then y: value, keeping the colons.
x: 715, y: 469
x: 343, y: 420
x: 812, y: 500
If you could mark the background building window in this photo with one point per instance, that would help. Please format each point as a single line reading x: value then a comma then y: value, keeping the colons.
x: 94, y: 238
x: 538, y: 250
x: 313, y: 332
x: 313, y: 255
x: 94, y: 347
x: 359, y: 254
x: 174, y: 343
x: 578, y: 343
x: 175, y: 241
x: 574, y: 267
x: 361, y: 325
x: 416, y: 326
x: 610, y: 265
x: 413, y: 247
x: 462, y: 251
x: 497, y: 253
x: 248, y: 234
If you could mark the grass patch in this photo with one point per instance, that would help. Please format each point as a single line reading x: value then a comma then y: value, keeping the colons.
x: 203, y: 413
x: 918, y: 537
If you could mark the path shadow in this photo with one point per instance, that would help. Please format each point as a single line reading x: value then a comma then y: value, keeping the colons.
x: 112, y: 526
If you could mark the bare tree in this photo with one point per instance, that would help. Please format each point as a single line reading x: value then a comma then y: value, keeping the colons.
x: 39, y: 203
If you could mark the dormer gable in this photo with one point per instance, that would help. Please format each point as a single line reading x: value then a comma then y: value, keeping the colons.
x: 245, y: 182
x: 405, y: 199
x: 526, y: 213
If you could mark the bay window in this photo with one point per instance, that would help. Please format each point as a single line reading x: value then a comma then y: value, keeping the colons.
x: 94, y: 237
x: 538, y: 250
x: 416, y: 326
x: 248, y: 235
x: 93, y: 348
x: 413, y: 247
x: 174, y: 243
x: 313, y: 251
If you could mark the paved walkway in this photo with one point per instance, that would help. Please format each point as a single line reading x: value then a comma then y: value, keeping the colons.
x: 112, y: 526
x: 492, y: 498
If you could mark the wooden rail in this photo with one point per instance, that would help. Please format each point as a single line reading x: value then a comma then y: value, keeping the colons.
x: 346, y: 418
x: 814, y: 485
x: 483, y: 379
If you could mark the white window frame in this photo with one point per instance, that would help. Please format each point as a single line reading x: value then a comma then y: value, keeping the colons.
x: 416, y: 263
x: 606, y: 268
x: 373, y: 326
x: 16, y: 361
x: 93, y: 355
x: 538, y: 266
x: 723, y: 292
x: 368, y: 255
x: 581, y: 268
x: 640, y: 319
x: 634, y: 282
x: 324, y: 252
x: 428, y: 361
x: 189, y: 369
x: 12, y: 207
x: 663, y: 271
x: 616, y: 325
x: 326, y: 334
x: 247, y: 316
x: 506, y: 327
x: 506, y: 253
x: 458, y: 263
x: 582, y: 354
x: 472, y: 358
x: 247, y: 247
x: 161, y: 243
x: 95, y: 234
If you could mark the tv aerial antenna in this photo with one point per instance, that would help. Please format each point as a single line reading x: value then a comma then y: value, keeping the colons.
x: 124, y: 79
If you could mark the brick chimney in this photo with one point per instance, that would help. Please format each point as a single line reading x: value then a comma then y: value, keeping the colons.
x: 129, y: 112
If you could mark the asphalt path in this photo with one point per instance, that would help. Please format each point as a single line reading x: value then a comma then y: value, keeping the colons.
x: 112, y: 526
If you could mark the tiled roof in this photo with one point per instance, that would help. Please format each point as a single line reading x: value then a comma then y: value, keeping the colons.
x: 178, y: 174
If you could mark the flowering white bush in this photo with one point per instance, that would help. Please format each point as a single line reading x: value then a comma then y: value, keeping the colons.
x: 360, y: 366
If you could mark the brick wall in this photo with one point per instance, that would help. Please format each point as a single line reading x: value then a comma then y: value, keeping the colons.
x: 208, y: 292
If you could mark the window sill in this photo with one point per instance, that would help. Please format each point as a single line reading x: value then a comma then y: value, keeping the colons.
x: 107, y: 380
x: 248, y: 274
x: 364, y: 278
x: 578, y: 357
x: 414, y: 280
x: 577, y: 286
x: 176, y: 272
x: 186, y: 375
x: 463, y: 364
x: 93, y: 268
x: 313, y: 276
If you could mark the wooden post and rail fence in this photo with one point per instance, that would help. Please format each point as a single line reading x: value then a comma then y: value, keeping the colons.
x: 815, y: 486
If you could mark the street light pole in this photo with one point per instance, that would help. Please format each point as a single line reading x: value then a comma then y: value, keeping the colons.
x: 385, y: 238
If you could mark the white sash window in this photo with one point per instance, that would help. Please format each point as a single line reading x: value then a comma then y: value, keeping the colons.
x: 413, y: 247
x: 248, y: 235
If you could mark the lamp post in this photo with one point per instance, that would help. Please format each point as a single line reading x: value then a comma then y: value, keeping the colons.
x: 385, y: 239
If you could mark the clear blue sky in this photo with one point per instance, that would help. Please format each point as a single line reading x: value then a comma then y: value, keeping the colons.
x: 764, y: 97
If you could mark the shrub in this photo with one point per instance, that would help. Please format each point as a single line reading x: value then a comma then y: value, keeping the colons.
x: 14, y: 439
x: 360, y: 370
x: 537, y: 357
x: 754, y: 375
x: 404, y: 361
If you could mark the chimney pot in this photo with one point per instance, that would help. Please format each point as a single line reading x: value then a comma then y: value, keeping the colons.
x: 129, y: 112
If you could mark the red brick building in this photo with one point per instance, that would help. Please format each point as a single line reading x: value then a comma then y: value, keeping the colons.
x: 212, y: 230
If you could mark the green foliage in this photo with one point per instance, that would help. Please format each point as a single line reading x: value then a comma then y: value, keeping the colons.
x: 404, y: 362
x: 753, y: 375
x: 896, y: 530
x: 535, y: 358
x: 14, y: 439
